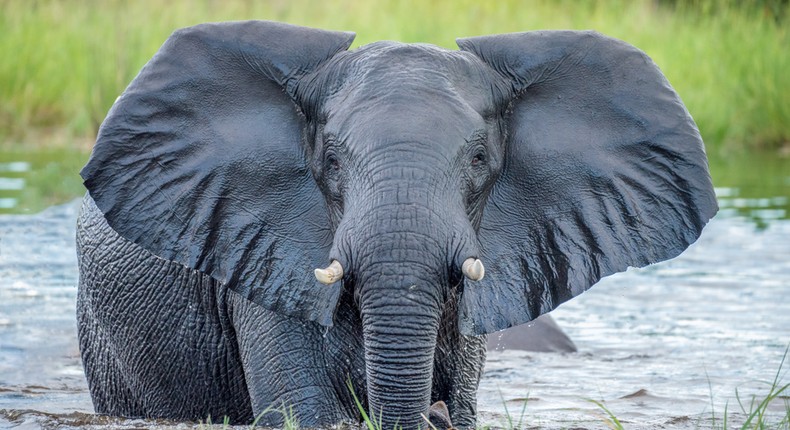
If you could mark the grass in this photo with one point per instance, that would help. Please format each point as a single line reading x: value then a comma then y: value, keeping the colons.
x: 756, y: 410
x: 610, y: 419
x: 65, y: 62
x: 290, y: 421
x: 509, y: 419
x: 370, y: 420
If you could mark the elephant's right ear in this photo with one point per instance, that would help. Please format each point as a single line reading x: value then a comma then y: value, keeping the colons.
x: 604, y: 170
x: 201, y: 162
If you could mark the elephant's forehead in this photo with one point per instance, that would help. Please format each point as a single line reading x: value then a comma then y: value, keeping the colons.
x: 384, y: 53
x: 419, y: 70
x: 402, y: 111
x: 397, y: 87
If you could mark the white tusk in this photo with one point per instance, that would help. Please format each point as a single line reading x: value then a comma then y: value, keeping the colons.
x: 331, y: 274
x: 473, y: 269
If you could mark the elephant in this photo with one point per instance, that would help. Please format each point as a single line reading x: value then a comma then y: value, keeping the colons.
x: 276, y: 221
x: 541, y: 335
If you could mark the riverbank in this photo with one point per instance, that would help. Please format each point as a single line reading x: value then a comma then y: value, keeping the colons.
x: 66, y: 62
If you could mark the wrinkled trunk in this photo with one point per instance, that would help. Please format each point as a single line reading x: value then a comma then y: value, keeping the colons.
x: 401, y: 286
x: 400, y: 323
x: 400, y: 274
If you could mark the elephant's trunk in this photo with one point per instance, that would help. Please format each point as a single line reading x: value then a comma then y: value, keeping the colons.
x: 400, y: 317
x: 401, y: 285
x: 401, y: 275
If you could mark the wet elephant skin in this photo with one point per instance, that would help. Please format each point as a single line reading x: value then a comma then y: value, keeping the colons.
x: 270, y: 214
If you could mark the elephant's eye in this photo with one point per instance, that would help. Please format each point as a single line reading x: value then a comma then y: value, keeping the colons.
x: 478, y: 159
x: 332, y: 163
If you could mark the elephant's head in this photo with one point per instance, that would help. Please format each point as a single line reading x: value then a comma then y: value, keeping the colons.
x: 256, y: 152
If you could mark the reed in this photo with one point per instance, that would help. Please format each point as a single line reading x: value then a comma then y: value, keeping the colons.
x: 65, y: 62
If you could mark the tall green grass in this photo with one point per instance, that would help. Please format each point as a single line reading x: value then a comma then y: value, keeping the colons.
x: 63, y: 63
x: 756, y: 410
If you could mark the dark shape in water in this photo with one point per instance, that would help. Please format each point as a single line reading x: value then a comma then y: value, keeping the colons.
x: 541, y: 335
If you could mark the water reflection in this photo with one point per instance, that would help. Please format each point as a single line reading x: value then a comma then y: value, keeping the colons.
x: 669, y: 345
x: 32, y: 179
x: 11, y: 183
x: 753, y: 186
x: 39, y: 358
x: 761, y: 210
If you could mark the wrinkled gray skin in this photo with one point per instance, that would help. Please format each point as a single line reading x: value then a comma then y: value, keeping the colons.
x: 247, y: 154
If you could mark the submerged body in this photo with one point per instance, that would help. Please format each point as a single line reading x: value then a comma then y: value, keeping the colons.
x: 203, y: 372
x: 448, y: 194
x: 206, y: 342
x: 169, y: 341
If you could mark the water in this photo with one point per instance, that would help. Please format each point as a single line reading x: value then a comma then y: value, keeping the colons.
x: 39, y: 360
x: 663, y: 347
x: 33, y: 178
x: 667, y: 345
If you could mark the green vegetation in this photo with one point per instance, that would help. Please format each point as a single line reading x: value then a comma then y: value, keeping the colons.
x: 756, y: 411
x: 610, y: 419
x: 65, y: 62
x: 48, y: 175
x: 290, y: 422
x: 754, y: 415
x: 371, y: 421
x: 520, y: 423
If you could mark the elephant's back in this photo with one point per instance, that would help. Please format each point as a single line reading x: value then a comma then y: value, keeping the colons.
x: 541, y: 335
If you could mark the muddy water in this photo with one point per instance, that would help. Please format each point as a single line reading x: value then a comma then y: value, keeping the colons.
x: 663, y: 347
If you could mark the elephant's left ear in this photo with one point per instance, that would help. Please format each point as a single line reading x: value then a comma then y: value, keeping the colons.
x: 201, y: 161
x: 604, y: 169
